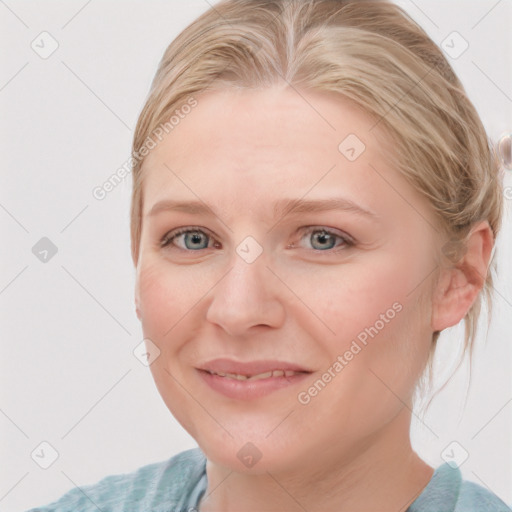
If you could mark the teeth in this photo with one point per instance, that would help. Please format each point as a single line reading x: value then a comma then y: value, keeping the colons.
x: 265, y: 375
x: 236, y: 376
x: 259, y: 376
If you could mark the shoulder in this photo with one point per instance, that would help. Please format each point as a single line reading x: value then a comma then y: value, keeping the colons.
x: 474, y: 497
x: 448, y: 492
x: 158, y: 486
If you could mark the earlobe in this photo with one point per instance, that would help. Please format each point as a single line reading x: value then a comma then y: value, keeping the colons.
x: 453, y: 299
x: 459, y: 286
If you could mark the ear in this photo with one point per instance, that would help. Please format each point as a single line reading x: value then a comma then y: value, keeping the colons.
x: 461, y: 282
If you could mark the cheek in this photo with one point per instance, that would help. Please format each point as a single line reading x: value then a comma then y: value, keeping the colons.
x: 163, y: 297
x: 377, y: 334
x: 371, y: 313
x: 350, y: 297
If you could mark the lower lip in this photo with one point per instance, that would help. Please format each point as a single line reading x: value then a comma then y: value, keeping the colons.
x: 250, y: 389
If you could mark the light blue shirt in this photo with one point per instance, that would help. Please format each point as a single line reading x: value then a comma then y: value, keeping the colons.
x: 179, y: 483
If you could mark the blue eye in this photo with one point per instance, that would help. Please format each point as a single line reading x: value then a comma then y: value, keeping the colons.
x: 192, y: 239
x: 324, y: 239
x: 195, y: 239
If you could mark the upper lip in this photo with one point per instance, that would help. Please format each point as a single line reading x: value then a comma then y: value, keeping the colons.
x: 250, y: 368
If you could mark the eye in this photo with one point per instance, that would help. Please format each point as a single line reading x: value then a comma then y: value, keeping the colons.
x: 323, y: 239
x: 188, y: 239
x: 319, y: 239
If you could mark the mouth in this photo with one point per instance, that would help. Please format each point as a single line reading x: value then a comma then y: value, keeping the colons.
x: 259, y: 376
x: 251, y: 380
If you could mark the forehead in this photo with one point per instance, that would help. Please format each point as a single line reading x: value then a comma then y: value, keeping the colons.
x: 239, y: 147
x: 288, y: 121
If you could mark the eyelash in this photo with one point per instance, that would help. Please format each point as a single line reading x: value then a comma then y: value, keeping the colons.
x: 347, y: 241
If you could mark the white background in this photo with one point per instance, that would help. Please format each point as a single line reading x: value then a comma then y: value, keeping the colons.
x: 68, y: 373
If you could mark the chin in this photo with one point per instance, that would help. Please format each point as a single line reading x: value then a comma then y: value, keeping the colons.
x: 253, y: 455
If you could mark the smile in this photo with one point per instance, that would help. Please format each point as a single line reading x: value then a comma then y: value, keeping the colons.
x: 250, y: 380
x: 258, y: 376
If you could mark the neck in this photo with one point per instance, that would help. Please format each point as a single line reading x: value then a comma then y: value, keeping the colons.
x: 381, y: 474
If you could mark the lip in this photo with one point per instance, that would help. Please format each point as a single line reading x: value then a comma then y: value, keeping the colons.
x: 251, y: 367
x: 250, y: 389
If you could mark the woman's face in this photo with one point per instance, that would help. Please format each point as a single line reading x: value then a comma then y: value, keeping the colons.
x: 325, y: 291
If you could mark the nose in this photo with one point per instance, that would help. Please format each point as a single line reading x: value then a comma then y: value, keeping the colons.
x: 246, y: 297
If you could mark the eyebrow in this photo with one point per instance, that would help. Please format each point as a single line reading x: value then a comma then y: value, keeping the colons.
x: 281, y: 207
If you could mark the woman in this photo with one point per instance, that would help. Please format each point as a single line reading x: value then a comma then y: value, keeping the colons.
x: 314, y: 201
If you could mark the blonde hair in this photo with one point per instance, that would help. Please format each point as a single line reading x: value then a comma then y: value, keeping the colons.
x: 371, y: 52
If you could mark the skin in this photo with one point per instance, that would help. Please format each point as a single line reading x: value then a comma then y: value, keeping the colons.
x: 348, y: 449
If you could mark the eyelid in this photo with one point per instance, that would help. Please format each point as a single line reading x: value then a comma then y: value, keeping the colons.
x: 167, y: 239
x: 347, y: 240
x: 333, y: 231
